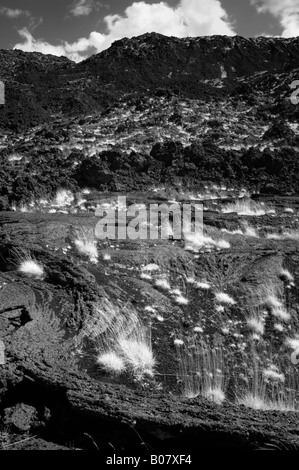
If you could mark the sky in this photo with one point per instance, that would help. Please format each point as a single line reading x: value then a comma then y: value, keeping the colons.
x: 80, y: 28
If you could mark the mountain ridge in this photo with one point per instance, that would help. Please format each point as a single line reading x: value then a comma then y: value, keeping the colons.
x: 39, y: 86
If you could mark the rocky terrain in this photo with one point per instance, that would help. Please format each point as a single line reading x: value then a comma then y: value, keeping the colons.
x: 150, y: 345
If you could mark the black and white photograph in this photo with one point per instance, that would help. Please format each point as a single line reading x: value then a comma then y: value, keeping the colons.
x: 149, y: 229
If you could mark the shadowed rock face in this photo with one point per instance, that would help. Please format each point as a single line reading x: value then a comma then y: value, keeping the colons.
x: 151, y: 111
x: 157, y: 120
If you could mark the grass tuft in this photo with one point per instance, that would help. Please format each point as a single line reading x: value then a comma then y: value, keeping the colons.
x: 27, y: 264
x: 246, y: 207
x: 111, y: 363
x: 86, y: 244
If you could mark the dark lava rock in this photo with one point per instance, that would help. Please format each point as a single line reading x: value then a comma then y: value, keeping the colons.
x: 43, y: 361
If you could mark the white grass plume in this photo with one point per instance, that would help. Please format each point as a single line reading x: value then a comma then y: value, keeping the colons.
x: 181, y: 300
x: 14, y: 157
x: 146, y: 276
x: 285, y: 275
x: 138, y: 355
x: 31, y: 268
x: 202, y: 370
x: 269, y: 298
x: 215, y: 395
x: 246, y: 207
x: 150, y: 267
x: 202, y: 285
x: 176, y: 292
x: 287, y: 235
x: 163, y: 284
x: 292, y: 343
x: 224, y: 298
x: 223, y: 244
x: 281, y: 313
x: 264, y: 386
x: 250, y: 231
x: 149, y: 309
x: 118, y: 333
x: 63, y: 198
x: 232, y: 232
x: 278, y: 327
x: 256, y: 324
x: 256, y: 402
x: 196, y: 241
x: 272, y: 374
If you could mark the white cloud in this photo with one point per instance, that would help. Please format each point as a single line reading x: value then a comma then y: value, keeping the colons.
x: 81, y: 7
x: 13, y: 13
x: 72, y: 51
x: 287, y: 12
x: 189, y: 18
